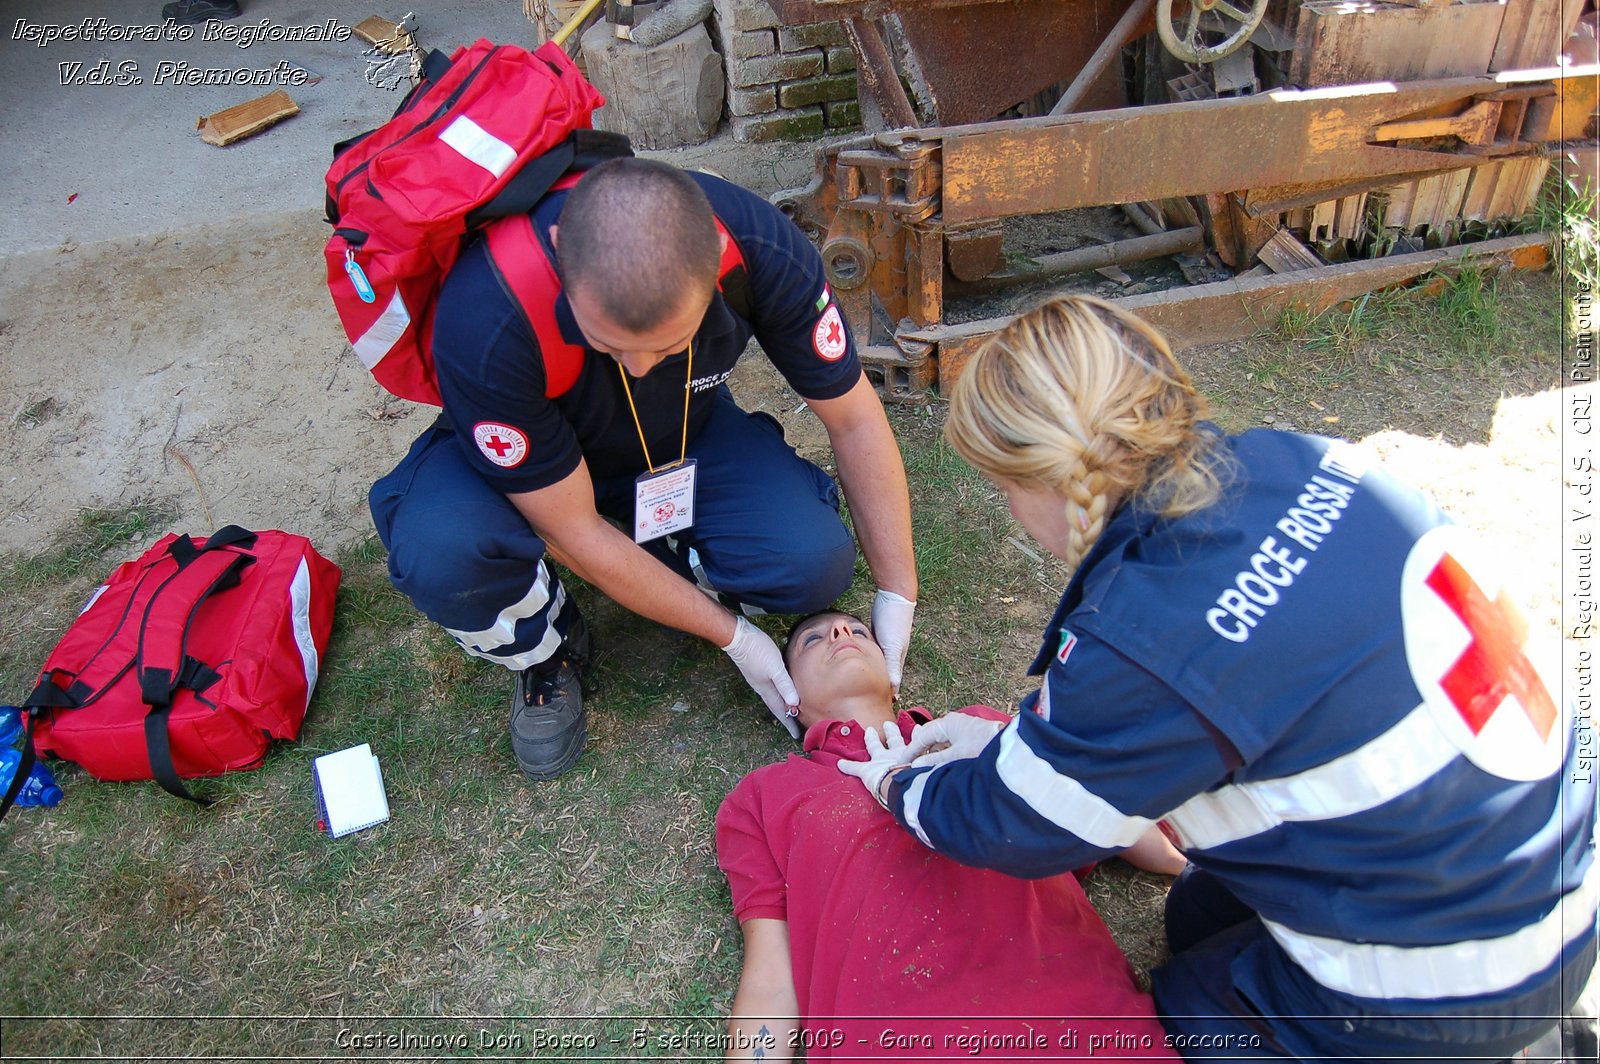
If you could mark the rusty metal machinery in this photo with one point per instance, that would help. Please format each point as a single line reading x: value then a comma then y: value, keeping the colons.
x: 906, y: 215
x: 1211, y: 30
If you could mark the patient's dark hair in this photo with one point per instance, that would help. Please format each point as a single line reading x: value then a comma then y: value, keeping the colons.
x: 788, y: 640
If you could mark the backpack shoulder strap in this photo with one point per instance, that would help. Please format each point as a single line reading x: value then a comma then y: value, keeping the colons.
x: 162, y: 665
x: 122, y: 645
x: 529, y: 275
x: 733, y: 279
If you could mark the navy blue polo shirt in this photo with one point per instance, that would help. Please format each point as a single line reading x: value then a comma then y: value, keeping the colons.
x: 492, y: 378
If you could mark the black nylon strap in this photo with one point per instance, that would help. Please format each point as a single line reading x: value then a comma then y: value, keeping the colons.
x: 184, y: 550
x: 230, y: 536
x: 435, y: 65
x: 158, y: 685
x: 158, y: 745
x: 527, y: 187
x: 581, y: 150
x: 24, y: 767
x: 50, y: 695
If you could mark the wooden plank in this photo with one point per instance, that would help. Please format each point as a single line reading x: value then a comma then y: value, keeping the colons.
x: 1482, y: 191
x: 246, y: 119
x: 1350, y: 217
x: 1533, y: 33
x: 1284, y: 254
x: 1242, y: 306
x: 1260, y: 202
x: 1504, y: 190
x: 1524, y: 191
x: 1340, y: 43
x: 385, y: 36
x: 1250, y: 234
x: 1397, y: 215
x: 1322, y: 221
x: 1219, y: 218
x: 1438, y: 200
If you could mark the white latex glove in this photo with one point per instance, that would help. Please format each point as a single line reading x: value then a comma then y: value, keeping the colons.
x: 965, y: 735
x: 891, y: 627
x: 884, y: 756
x: 761, y: 662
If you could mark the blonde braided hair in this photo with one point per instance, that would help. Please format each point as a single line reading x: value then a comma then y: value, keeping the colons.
x: 1085, y: 400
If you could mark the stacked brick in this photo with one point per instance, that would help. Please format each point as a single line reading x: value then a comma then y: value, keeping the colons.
x: 784, y: 82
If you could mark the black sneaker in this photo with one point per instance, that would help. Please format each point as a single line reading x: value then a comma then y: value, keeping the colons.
x: 184, y: 12
x: 548, y: 722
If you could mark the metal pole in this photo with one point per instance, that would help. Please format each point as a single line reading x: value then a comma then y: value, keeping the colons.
x: 1122, y: 33
x: 1081, y: 260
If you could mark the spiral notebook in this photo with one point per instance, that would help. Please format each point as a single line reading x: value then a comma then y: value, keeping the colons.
x: 350, y: 790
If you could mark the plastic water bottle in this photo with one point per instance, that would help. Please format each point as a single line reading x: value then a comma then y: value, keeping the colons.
x: 40, y: 787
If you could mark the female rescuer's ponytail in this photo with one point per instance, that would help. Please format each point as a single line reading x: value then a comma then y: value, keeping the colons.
x: 1082, y: 398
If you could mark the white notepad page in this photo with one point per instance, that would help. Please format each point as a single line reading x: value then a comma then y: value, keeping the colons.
x: 350, y: 788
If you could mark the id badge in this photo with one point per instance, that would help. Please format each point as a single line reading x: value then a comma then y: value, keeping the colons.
x: 663, y: 501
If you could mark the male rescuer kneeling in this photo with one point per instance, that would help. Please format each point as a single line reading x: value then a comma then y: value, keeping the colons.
x: 509, y: 479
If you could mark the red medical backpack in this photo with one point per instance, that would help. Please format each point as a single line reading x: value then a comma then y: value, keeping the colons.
x: 187, y: 661
x: 485, y: 134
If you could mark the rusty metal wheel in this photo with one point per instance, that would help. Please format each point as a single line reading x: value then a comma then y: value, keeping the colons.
x: 1211, y: 28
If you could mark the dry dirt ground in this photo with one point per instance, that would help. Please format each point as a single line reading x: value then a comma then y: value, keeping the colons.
x: 205, y: 367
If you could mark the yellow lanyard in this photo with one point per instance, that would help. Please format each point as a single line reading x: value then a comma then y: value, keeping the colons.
x: 688, y: 377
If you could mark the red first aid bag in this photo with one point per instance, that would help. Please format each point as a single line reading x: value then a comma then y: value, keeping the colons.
x: 487, y: 132
x: 187, y: 661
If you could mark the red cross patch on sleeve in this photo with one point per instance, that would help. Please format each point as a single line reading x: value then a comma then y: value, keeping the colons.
x: 500, y: 444
x: 829, y: 336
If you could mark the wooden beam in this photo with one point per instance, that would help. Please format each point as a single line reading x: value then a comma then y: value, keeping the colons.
x: 1243, y: 306
x: 1341, y: 43
x: 1534, y: 32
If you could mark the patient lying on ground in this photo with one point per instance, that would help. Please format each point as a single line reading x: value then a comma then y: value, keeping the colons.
x: 847, y: 918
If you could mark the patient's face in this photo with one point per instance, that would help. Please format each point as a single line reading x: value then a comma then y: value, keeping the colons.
x: 833, y: 656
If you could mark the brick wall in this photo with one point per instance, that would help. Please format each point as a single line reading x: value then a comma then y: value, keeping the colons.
x: 784, y: 82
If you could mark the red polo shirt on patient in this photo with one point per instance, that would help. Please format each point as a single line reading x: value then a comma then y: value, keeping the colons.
x: 897, y: 951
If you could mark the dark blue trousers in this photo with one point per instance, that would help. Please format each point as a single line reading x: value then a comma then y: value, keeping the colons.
x: 767, y: 537
x: 1229, y: 993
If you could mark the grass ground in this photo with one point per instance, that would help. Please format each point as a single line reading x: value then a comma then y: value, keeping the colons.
x: 133, y: 924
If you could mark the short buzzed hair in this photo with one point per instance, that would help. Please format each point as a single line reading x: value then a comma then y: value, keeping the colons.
x: 640, y: 239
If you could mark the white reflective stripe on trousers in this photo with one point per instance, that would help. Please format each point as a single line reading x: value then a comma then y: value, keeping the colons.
x: 503, y: 631
x: 1454, y: 970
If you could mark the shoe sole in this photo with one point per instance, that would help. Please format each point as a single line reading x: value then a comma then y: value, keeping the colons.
x: 583, y: 665
x: 562, y: 766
